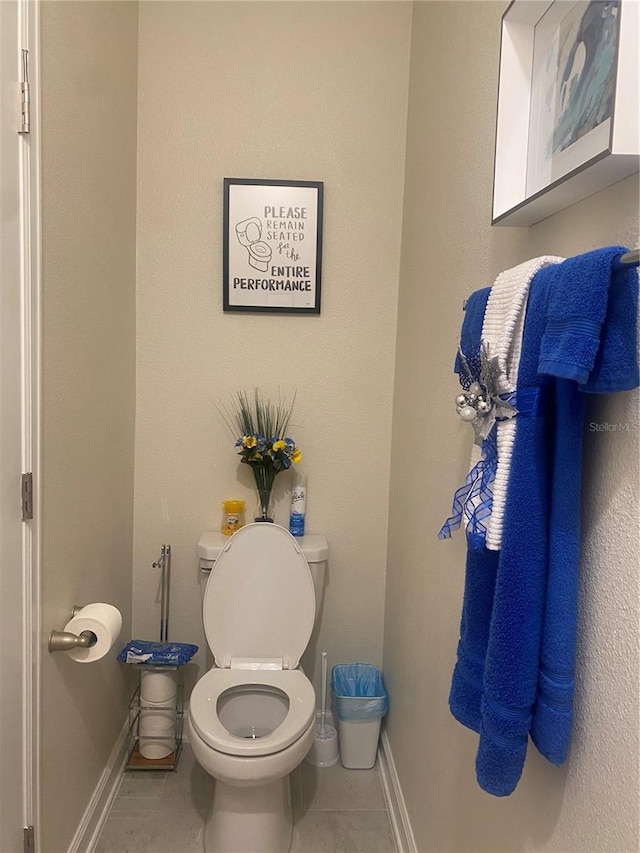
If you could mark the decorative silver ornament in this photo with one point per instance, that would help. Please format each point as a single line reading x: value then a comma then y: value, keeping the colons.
x: 461, y: 400
x: 468, y: 414
x: 484, y: 403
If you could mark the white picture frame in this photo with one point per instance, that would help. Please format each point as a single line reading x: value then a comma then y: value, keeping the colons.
x: 567, y: 120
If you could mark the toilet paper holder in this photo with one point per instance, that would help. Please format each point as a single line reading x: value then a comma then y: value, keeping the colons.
x: 65, y: 641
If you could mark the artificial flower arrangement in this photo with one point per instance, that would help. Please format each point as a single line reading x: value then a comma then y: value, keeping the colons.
x: 262, y: 442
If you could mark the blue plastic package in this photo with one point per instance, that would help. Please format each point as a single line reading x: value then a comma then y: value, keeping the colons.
x: 149, y: 653
x: 358, y: 691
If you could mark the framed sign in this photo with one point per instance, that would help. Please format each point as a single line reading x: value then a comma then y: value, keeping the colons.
x: 567, y: 104
x: 272, y: 245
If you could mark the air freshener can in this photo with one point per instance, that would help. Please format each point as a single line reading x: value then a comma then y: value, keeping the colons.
x: 298, y: 505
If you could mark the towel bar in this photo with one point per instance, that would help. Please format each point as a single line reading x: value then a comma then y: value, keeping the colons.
x: 631, y: 259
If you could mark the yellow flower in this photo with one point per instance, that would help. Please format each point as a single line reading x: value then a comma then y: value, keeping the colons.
x: 296, y: 456
x: 256, y: 456
x: 249, y: 441
x: 279, y: 445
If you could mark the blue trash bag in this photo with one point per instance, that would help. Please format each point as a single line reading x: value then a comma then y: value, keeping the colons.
x: 149, y: 653
x: 359, y: 692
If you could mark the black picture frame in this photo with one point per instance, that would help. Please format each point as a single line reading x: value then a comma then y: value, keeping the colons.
x: 272, y: 246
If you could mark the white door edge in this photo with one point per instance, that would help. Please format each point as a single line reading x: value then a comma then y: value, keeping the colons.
x: 31, y: 358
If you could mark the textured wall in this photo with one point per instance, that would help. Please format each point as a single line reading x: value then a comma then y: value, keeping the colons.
x: 307, y: 91
x: 88, y: 219
x: 449, y: 249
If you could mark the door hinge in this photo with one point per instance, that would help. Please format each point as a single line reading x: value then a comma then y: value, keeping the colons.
x: 29, y: 839
x: 25, y: 95
x: 27, y: 497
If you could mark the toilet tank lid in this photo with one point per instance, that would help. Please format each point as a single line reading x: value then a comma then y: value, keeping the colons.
x: 314, y: 546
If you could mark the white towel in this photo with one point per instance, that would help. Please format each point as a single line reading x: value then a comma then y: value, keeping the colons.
x: 502, y: 330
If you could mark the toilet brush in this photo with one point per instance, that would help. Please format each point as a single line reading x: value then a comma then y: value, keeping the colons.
x: 324, y: 749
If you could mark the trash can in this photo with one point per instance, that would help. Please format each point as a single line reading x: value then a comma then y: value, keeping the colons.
x: 361, y: 702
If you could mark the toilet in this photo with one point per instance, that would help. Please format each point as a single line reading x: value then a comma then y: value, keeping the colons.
x: 252, y: 716
x: 249, y: 233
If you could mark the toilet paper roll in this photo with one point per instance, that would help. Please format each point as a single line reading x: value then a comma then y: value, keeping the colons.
x: 105, y: 621
x: 156, y: 733
x: 153, y: 723
x: 158, y: 706
x: 156, y: 747
x: 159, y: 686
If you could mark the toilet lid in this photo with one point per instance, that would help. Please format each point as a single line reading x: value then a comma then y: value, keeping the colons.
x: 259, y: 602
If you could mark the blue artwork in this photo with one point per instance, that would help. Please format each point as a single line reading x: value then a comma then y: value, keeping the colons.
x: 586, y: 69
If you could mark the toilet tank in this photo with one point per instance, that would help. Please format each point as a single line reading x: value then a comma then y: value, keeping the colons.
x: 314, y: 547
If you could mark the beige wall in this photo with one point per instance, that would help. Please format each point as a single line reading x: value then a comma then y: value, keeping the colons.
x: 449, y: 250
x: 307, y: 91
x: 321, y: 94
x: 89, y: 168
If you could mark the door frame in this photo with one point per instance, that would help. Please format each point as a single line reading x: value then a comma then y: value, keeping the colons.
x: 31, y: 364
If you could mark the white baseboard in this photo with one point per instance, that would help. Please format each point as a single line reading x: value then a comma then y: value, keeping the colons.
x: 97, y: 811
x: 185, y: 726
x: 398, y: 815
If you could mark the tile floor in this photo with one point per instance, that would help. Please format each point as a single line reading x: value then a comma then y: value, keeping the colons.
x: 335, y: 811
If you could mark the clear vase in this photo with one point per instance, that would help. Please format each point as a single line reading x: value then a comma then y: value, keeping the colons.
x: 264, y: 477
x: 263, y: 509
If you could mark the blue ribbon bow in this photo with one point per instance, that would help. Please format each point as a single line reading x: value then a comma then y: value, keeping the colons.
x: 474, y: 498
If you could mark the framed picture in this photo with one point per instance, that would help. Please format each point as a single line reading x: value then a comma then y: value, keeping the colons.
x: 568, y: 97
x: 272, y: 245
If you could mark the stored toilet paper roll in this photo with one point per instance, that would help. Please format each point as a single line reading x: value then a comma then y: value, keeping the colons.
x: 159, y: 686
x: 103, y: 620
x: 157, y: 747
x: 156, y: 730
x: 156, y: 722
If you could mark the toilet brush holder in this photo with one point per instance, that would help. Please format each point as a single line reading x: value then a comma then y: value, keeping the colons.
x: 324, y: 749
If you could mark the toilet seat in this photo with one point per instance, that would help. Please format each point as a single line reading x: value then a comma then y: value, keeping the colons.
x: 259, y: 602
x: 204, y: 715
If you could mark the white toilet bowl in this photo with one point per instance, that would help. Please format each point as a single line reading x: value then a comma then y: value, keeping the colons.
x: 252, y: 716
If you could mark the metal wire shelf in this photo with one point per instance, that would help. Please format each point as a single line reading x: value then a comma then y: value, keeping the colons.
x: 136, y: 760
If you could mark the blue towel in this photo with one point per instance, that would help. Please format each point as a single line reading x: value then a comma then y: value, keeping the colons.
x: 471, y: 331
x: 511, y: 664
x: 467, y: 684
x: 553, y: 713
x: 514, y: 674
x: 616, y: 364
x: 577, y: 312
x: 615, y: 369
x: 494, y: 684
x: 466, y: 687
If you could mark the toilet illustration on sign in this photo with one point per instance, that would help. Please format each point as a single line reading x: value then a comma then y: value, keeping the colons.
x: 249, y: 233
